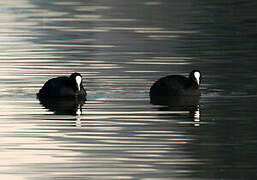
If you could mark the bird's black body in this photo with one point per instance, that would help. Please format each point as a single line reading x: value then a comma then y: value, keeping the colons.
x: 175, y: 86
x: 63, y: 87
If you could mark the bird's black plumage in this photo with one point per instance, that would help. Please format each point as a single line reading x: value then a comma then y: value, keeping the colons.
x: 177, y: 85
x: 63, y: 86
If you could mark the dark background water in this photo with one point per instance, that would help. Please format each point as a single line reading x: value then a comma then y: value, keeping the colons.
x: 121, y: 48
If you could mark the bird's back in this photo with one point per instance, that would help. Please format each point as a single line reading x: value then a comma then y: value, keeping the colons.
x: 54, y: 87
x: 169, y: 85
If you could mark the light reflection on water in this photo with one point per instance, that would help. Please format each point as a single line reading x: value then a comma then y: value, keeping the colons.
x: 117, y: 133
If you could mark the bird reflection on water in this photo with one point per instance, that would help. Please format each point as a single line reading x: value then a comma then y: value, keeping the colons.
x: 64, y: 105
x: 178, y: 104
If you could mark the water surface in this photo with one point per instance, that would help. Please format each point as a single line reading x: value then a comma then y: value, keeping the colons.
x: 121, y: 48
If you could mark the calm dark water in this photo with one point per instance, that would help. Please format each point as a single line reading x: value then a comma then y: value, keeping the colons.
x: 121, y: 48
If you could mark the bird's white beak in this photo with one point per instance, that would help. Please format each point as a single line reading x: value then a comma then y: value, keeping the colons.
x: 197, y: 77
x: 78, y: 81
x: 197, y: 80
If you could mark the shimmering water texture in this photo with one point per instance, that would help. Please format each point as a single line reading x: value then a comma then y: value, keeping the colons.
x: 121, y: 48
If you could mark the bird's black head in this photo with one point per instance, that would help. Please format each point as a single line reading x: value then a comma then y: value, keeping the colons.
x: 195, y: 76
x: 76, y: 80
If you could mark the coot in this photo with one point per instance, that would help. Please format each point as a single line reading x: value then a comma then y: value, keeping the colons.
x: 177, y: 85
x: 63, y: 87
